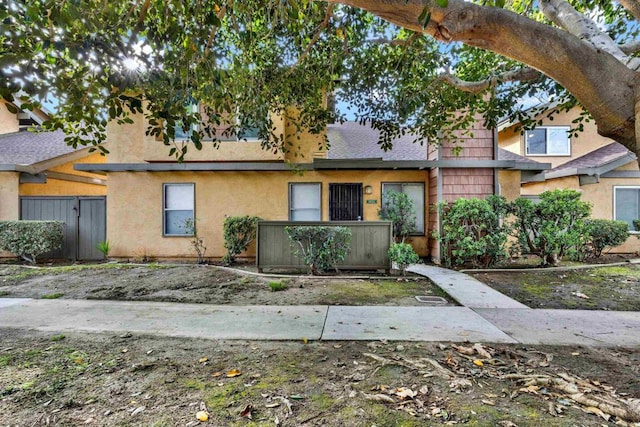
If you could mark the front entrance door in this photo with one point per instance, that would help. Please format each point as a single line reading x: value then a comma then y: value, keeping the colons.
x: 345, y: 202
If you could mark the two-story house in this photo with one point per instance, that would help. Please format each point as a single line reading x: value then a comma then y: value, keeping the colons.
x: 150, y: 194
x: 604, y: 171
x: 38, y: 181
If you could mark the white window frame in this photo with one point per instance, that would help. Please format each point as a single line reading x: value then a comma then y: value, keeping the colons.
x: 424, y: 221
x: 546, y: 129
x: 292, y: 184
x: 165, y: 186
x: 615, y: 213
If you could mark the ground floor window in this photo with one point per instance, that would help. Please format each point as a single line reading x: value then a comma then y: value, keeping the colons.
x: 345, y: 202
x: 626, y: 204
x: 178, y: 208
x: 415, y: 191
x: 304, y: 202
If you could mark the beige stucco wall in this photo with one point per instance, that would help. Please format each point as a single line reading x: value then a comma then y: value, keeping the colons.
x: 510, y: 139
x: 509, y: 182
x: 134, y: 223
x: 8, y: 120
x: 9, y: 197
x: 129, y: 144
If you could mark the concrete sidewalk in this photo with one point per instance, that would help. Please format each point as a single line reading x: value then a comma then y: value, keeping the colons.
x: 486, y: 316
x: 455, y: 324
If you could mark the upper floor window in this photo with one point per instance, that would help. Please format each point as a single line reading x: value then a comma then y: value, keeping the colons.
x: 182, y: 134
x: 178, y: 207
x: 547, y: 141
x: 626, y: 205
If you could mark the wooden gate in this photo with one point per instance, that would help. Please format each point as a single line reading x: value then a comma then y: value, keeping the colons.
x: 85, y: 220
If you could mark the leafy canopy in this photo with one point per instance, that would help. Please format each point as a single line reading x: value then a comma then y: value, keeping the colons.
x: 102, y: 61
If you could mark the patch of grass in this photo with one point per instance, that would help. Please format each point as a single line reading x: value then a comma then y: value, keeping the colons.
x: 372, y: 292
x: 276, y: 286
x: 5, y: 360
x: 4, y: 293
x: 58, y: 337
x: 52, y: 296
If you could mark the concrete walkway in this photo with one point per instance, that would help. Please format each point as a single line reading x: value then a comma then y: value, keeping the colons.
x: 486, y: 316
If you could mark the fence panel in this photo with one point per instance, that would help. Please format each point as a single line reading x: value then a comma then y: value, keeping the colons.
x: 370, y: 241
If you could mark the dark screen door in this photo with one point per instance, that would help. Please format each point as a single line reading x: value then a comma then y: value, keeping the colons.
x: 345, y: 202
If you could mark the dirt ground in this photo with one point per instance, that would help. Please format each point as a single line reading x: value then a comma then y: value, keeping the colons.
x: 601, y: 288
x: 106, y: 380
x: 206, y: 284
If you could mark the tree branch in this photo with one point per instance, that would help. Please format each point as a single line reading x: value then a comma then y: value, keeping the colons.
x: 214, y: 30
x: 561, y: 13
x: 631, y: 47
x: 521, y: 74
x: 599, y: 81
x: 632, y: 6
x: 323, y: 25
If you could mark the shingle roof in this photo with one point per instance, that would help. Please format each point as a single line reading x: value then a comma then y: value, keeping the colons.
x: 596, y: 158
x: 28, y: 148
x: 508, y: 155
x: 351, y: 140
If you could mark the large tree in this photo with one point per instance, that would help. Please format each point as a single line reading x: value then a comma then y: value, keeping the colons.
x: 404, y: 65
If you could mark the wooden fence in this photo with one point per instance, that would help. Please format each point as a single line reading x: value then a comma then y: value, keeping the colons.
x: 370, y: 241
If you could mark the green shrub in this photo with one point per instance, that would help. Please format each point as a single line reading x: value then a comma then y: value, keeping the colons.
x: 277, y: 286
x: 605, y: 233
x: 239, y: 232
x: 552, y: 228
x: 472, y: 231
x: 402, y: 254
x: 398, y: 208
x: 636, y: 225
x: 30, y: 239
x: 320, y: 247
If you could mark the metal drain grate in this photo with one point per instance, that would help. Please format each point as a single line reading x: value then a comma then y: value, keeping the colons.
x: 431, y: 300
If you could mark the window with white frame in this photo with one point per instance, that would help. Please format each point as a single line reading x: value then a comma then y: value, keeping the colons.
x: 548, y: 141
x: 415, y: 191
x: 626, y: 204
x: 304, y: 202
x: 178, y: 209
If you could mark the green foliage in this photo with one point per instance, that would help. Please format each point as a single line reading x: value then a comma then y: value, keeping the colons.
x: 472, y: 232
x: 197, y: 242
x: 255, y: 57
x: 552, y: 228
x: 605, y: 233
x: 398, y: 208
x: 52, y: 296
x: 30, y: 239
x: 239, y: 232
x: 403, y: 255
x: 636, y: 225
x: 277, y: 286
x: 104, y: 247
x: 320, y: 247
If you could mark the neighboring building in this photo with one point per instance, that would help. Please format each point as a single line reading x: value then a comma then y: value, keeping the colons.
x: 38, y: 181
x: 150, y: 194
x: 604, y: 171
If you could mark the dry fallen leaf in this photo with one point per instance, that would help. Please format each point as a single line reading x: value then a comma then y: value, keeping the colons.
x: 246, y: 412
x: 234, y: 373
x: 424, y: 390
x: 217, y: 374
x: 478, y: 362
x: 405, y: 393
x: 272, y: 405
x: 203, y: 359
x: 464, y: 350
x: 481, y: 351
x: 489, y: 402
x: 202, y: 416
x: 597, y: 411
x: 138, y: 410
